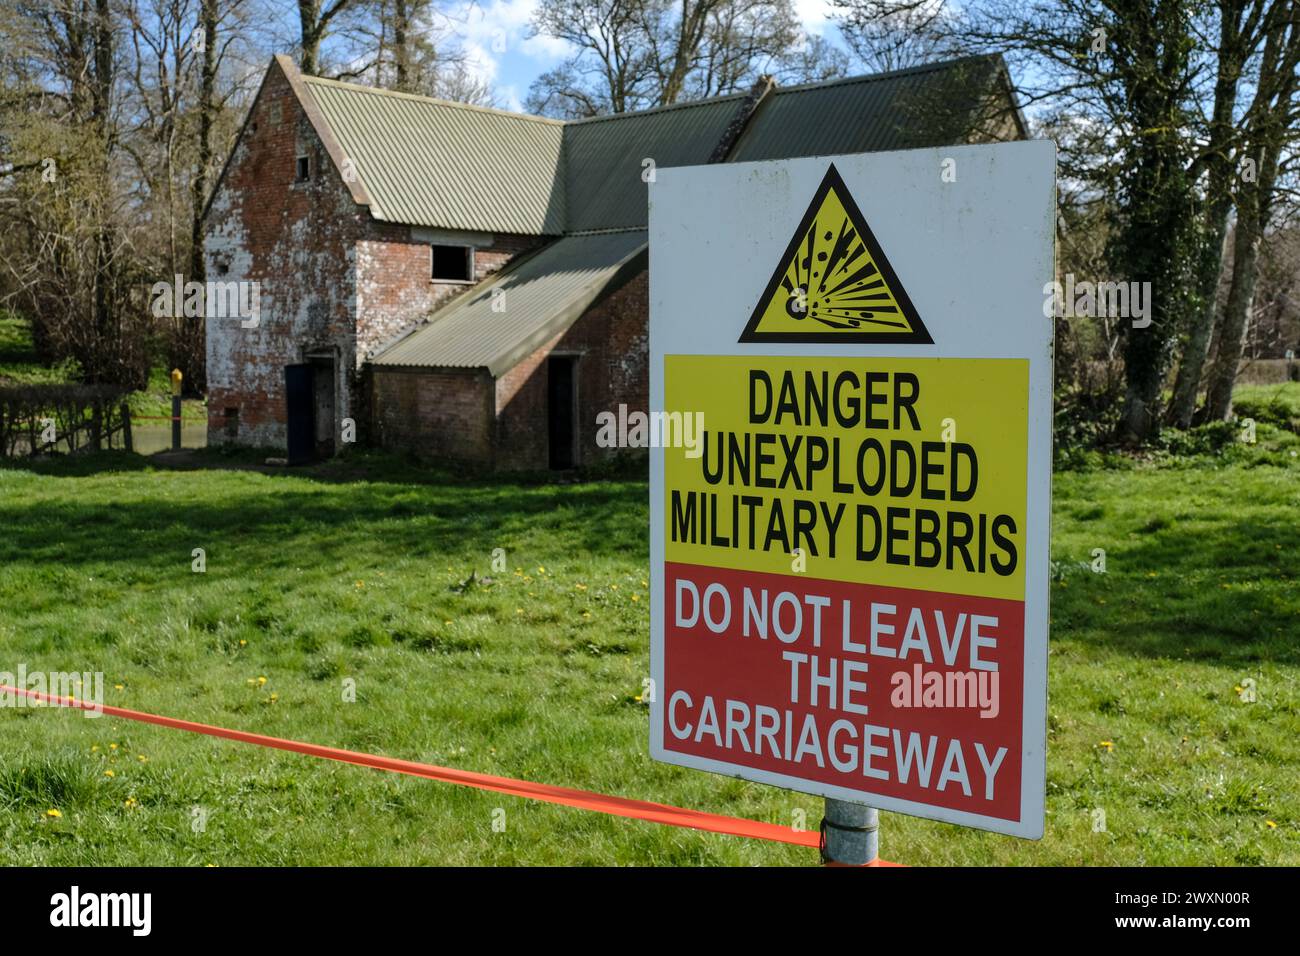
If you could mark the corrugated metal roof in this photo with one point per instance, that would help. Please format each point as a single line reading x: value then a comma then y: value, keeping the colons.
x: 604, y: 156
x: 907, y: 109
x: 544, y: 293
x: 430, y: 162
x: 434, y: 163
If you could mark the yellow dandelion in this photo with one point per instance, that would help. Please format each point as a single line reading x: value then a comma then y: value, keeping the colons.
x: 447, y: 623
x: 130, y: 802
x: 541, y: 570
x: 581, y: 587
x: 613, y: 587
x: 142, y: 758
x: 112, y: 746
x: 109, y: 773
x: 118, y: 687
x: 53, y: 813
x: 586, y: 615
x: 94, y: 748
x: 274, y: 697
x: 1270, y: 824
x: 261, y: 681
x: 1107, y: 745
x: 519, y: 610
x: 636, y: 597
x: 637, y: 698
x: 243, y: 643
x: 644, y: 584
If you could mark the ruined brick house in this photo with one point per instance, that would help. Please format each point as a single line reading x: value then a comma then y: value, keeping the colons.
x: 470, y: 284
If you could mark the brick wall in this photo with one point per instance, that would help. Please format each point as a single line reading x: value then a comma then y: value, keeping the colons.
x: 331, y: 278
x: 440, y: 415
x: 394, y: 288
x: 296, y: 240
x: 464, y: 416
x: 612, y: 345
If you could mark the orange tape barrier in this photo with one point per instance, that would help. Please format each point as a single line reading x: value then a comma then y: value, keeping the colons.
x: 582, y: 799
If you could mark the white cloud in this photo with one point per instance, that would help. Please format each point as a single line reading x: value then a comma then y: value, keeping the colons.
x: 814, y: 14
x: 494, y: 35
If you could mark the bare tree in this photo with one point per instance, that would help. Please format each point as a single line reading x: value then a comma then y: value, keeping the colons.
x: 634, y: 54
x: 315, y: 20
x: 1242, y: 25
x: 895, y: 34
x: 1270, y: 129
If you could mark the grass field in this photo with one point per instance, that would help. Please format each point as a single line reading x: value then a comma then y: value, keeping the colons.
x: 355, y: 570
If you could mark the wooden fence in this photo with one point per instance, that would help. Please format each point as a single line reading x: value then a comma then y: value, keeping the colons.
x: 44, y: 419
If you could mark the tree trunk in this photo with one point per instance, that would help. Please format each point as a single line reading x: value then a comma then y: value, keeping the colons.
x: 401, y: 47
x: 1154, y: 242
x: 1252, y: 214
x: 1234, y: 44
x: 1188, y: 382
x: 207, y: 110
x: 101, y: 99
x: 190, y: 355
x: 311, y: 32
x: 1269, y: 129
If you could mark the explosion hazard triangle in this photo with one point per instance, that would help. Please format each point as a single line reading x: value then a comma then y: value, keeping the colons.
x: 834, y: 283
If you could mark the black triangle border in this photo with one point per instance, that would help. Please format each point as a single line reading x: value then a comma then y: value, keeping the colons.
x: 919, y: 335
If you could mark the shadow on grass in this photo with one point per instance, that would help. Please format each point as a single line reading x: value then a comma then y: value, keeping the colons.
x: 274, y: 521
x: 357, y: 465
x: 1224, y: 594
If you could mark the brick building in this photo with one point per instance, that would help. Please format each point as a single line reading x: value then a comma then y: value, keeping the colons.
x: 471, y: 284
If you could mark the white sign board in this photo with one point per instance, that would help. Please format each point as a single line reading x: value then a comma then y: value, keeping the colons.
x: 849, y: 529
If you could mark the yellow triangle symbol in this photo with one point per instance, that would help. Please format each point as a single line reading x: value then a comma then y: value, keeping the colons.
x: 834, y: 283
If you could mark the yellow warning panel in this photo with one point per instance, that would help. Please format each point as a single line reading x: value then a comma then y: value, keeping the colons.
x: 899, y: 472
x: 834, y: 282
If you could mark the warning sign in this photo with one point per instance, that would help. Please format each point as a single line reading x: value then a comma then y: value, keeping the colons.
x: 849, y: 557
x: 834, y: 283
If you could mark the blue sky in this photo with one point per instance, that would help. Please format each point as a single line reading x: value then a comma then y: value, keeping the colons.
x: 494, y: 34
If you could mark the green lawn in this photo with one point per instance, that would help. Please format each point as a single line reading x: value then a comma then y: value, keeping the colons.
x: 353, y: 570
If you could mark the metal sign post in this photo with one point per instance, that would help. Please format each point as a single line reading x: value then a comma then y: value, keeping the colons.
x: 850, y: 834
x: 176, y: 409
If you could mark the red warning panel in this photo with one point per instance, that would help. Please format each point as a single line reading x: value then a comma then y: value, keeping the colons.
x: 902, y: 693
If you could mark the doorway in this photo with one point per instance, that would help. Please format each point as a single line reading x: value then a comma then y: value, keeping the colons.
x: 309, y: 390
x: 299, y: 400
x: 323, y: 392
x: 562, y: 410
